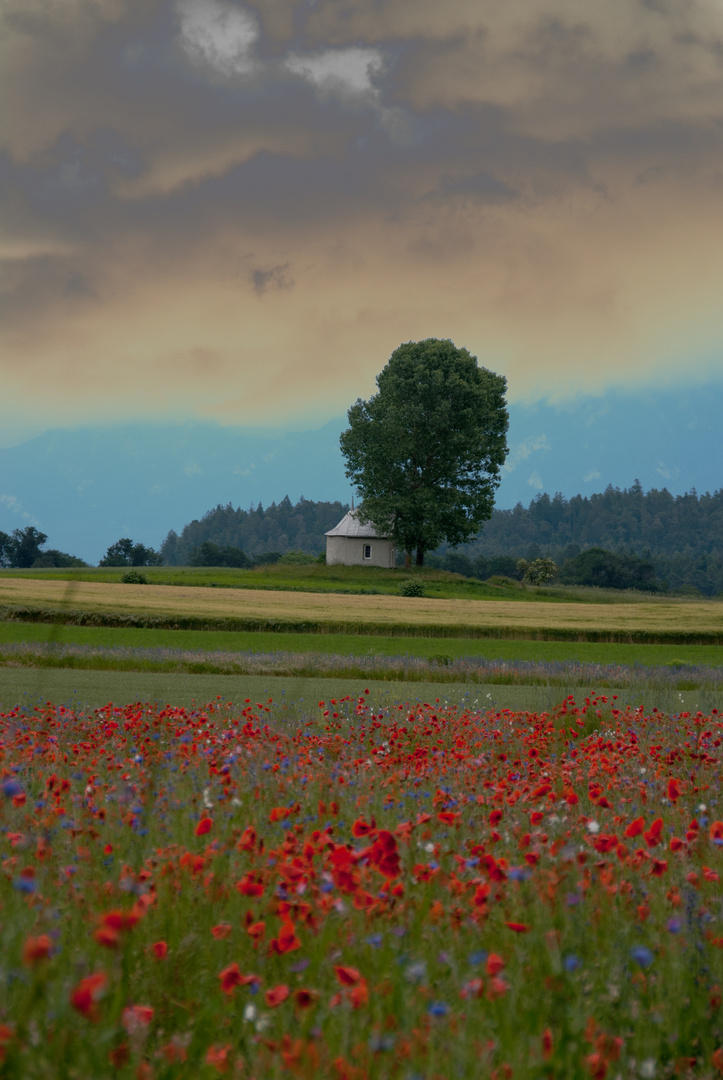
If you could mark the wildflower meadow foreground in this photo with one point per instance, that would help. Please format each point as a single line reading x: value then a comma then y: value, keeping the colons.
x: 416, y: 892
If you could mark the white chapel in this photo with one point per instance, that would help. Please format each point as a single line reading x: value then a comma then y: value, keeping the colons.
x: 352, y: 544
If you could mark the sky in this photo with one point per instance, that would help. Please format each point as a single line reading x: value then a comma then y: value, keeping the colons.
x: 230, y: 212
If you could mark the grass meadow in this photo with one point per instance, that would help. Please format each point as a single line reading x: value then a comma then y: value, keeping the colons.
x: 212, y: 868
x: 370, y: 580
x: 360, y: 644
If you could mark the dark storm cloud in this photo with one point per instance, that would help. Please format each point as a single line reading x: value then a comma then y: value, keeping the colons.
x: 248, y: 206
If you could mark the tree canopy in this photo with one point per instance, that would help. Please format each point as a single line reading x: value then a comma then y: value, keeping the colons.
x: 125, y: 553
x: 22, y: 550
x: 425, y: 452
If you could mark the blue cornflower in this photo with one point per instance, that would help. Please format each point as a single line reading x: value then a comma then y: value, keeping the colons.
x: 642, y: 955
x: 438, y: 1008
x: 26, y: 885
x: 571, y: 962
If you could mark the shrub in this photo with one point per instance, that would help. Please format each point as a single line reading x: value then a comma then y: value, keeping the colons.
x: 411, y: 587
x: 298, y: 558
x: 134, y: 577
x: 538, y: 571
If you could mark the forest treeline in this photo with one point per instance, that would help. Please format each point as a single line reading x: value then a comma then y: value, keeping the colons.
x: 659, y: 541
x: 257, y: 532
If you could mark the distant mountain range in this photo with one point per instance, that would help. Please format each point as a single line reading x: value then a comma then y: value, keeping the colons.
x: 88, y: 487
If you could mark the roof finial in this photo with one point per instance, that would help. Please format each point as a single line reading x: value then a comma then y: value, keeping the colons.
x: 352, y: 502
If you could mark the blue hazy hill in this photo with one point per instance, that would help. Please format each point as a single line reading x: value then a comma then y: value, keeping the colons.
x: 87, y: 487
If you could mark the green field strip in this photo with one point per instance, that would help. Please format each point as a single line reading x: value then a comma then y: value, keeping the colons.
x: 387, y: 628
x: 300, y: 697
x: 361, y: 645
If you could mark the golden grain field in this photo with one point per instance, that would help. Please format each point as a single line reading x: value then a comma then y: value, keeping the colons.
x: 674, y: 616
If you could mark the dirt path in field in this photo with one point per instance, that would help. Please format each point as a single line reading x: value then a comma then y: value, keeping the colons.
x: 675, y: 616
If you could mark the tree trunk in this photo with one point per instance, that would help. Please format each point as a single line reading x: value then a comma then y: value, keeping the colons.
x: 407, y: 560
x: 420, y: 556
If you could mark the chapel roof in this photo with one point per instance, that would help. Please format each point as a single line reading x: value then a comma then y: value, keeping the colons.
x: 351, y: 526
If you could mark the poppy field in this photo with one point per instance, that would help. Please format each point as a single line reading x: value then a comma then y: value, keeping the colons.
x: 424, y: 891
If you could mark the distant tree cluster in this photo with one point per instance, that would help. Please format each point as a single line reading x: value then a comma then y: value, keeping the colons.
x: 127, y: 553
x: 260, y: 535
x: 681, y: 536
x: 21, y: 549
x: 210, y: 554
x: 608, y: 570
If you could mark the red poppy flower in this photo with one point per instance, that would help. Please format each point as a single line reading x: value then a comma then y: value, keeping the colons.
x: 160, y: 950
x: 36, y: 949
x: 221, y: 931
x: 547, y: 1044
x: 304, y: 999
x: 494, y: 964
x: 635, y: 828
x: 248, y: 839
x: 653, y: 835
x: 107, y: 937
x: 658, y: 867
x: 276, y: 995
x: 286, y: 941
x: 675, y: 789
x: 230, y: 978
x: 250, y: 885
x: 347, y: 976
x: 87, y: 993
x: 204, y: 826
x: 136, y: 1017
x: 119, y: 1055
x: 359, y: 995
x: 518, y: 927
x: 218, y: 1057
x: 716, y: 830
x: 363, y: 828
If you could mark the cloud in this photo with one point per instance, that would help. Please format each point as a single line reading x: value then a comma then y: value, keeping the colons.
x: 480, y: 187
x: 276, y: 277
x: 535, y: 481
x: 349, y: 72
x: 593, y: 474
x: 220, y: 35
x: 520, y: 452
x: 667, y: 472
x: 17, y: 510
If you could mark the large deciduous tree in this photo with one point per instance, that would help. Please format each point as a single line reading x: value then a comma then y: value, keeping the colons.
x: 425, y: 452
